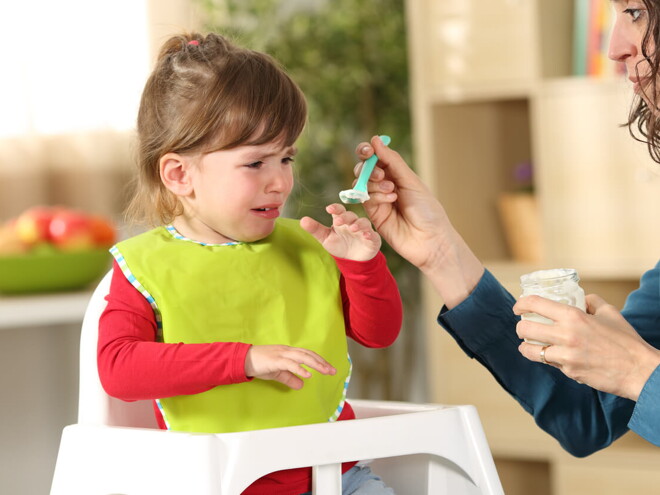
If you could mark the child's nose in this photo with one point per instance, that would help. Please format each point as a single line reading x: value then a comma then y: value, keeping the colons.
x: 278, y: 181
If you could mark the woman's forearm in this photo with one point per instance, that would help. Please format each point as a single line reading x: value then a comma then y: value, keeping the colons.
x: 454, y: 272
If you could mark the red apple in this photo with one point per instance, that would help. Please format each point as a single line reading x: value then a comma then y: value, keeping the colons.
x: 71, y: 231
x: 103, y: 231
x: 32, y: 226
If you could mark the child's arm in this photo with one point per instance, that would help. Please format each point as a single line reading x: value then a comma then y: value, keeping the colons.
x: 372, y: 304
x: 133, y: 366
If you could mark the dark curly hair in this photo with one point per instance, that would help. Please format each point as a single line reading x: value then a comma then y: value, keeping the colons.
x: 643, y: 121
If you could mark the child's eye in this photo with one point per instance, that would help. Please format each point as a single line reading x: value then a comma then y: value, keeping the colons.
x: 255, y: 165
x: 635, y: 14
x: 288, y: 159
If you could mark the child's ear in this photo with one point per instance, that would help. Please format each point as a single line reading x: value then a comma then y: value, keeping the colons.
x: 175, y: 174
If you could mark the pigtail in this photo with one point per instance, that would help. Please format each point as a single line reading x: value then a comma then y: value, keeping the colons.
x: 182, y: 43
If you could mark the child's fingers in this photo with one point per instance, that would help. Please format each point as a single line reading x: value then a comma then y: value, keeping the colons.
x: 290, y: 380
x: 314, y: 361
x: 335, y: 209
x: 310, y: 225
x: 346, y: 218
x: 318, y: 230
x: 291, y: 370
x: 361, y: 224
x: 340, y: 215
x: 293, y: 366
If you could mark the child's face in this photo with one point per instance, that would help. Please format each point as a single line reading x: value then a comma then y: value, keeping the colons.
x: 239, y: 193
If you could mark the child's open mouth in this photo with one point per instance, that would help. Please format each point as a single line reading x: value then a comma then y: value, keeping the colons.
x: 267, y: 212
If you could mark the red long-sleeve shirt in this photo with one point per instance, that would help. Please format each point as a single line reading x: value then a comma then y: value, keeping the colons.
x: 133, y: 366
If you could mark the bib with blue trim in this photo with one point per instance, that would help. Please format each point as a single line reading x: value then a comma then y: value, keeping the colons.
x: 283, y: 289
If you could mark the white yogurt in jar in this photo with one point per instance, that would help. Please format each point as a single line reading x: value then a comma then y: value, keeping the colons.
x: 559, y: 284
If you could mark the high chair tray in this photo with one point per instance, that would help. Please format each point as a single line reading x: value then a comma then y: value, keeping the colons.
x: 416, y: 449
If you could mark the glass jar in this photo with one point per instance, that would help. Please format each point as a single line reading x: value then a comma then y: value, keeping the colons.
x: 559, y: 284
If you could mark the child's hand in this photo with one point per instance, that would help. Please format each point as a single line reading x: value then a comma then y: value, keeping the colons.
x: 284, y: 364
x: 349, y: 237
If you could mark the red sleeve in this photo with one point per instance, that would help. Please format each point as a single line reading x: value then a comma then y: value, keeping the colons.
x: 133, y: 366
x: 372, y: 305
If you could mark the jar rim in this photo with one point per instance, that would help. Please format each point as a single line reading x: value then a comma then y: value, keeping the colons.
x: 549, y: 276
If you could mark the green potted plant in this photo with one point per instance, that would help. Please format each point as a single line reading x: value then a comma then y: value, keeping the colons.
x: 350, y: 59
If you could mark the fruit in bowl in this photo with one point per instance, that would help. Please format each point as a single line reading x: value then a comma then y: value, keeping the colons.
x: 50, y: 248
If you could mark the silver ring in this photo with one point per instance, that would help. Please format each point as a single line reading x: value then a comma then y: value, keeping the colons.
x: 543, y: 349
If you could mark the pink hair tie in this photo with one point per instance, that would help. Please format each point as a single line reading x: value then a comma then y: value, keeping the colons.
x: 193, y: 42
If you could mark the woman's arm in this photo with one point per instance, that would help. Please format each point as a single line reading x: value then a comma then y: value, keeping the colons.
x: 581, y: 418
x: 407, y: 215
x: 642, y: 311
x: 414, y: 223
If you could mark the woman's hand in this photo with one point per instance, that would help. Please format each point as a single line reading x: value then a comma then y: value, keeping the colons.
x: 349, y: 237
x: 598, y: 348
x: 414, y: 223
x: 284, y: 364
x: 401, y: 207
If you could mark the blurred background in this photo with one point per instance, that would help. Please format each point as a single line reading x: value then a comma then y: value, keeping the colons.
x: 502, y: 107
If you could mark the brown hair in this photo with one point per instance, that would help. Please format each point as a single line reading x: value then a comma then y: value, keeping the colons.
x: 206, y: 96
x: 642, y: 120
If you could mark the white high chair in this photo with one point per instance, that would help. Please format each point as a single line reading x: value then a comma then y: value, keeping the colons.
x: 117, y: 449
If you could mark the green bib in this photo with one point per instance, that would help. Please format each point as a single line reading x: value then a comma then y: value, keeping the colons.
x: 281, y: 290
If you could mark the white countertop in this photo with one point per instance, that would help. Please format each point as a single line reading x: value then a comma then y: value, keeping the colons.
x: 43, y: 309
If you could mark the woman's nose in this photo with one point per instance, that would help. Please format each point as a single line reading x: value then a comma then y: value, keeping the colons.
x: 622, y: 46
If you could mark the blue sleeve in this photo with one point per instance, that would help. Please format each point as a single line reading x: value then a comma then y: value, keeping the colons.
x: 582, y: 419
x: 642, y: 310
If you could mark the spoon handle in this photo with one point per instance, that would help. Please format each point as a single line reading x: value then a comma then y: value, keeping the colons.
x: 368, y: 167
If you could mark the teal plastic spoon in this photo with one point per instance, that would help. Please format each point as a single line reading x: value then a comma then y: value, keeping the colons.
x: 359, y: 193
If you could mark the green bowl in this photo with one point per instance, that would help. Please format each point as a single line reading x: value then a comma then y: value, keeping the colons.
x: 51, y: 270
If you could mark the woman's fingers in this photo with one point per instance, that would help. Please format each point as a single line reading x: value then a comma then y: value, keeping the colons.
x: 548, y: 308
x: 538, y: 332
x: 595, y: 303
x: 545, y: 354
x: 364, y: 150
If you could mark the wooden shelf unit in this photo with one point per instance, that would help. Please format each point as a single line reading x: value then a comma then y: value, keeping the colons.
x: 491, y: 86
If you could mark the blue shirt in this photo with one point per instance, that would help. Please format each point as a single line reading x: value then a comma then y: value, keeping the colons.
x: 582, y: 419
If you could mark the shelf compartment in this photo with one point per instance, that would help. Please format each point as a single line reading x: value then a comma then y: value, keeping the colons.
x: 475, y: 147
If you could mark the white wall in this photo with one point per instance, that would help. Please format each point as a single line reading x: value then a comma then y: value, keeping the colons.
x: 39, y: 396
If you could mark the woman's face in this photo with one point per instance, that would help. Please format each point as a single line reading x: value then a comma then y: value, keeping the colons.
x: 626, y: 42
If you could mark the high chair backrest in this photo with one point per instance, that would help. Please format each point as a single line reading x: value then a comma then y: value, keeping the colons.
x: 95, y: 407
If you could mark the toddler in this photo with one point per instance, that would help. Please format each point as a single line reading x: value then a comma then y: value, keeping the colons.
x: 227, y: 315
